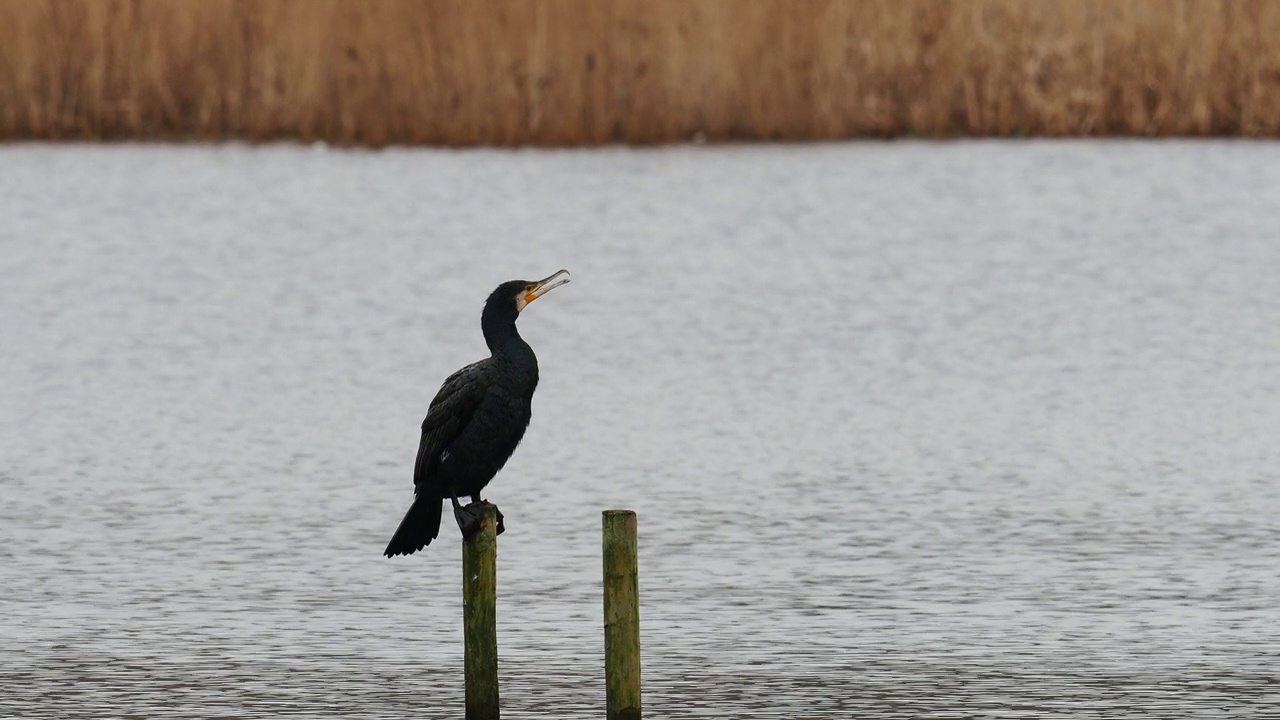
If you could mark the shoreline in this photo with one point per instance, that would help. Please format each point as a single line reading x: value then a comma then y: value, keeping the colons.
x: 567, y: 73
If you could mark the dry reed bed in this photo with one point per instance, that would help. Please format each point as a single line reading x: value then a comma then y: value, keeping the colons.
x: 589, y: 71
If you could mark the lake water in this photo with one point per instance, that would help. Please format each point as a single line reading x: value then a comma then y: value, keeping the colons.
x: 974, y: 429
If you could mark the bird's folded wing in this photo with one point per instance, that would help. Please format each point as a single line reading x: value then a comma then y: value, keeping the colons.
x: 450, y: 412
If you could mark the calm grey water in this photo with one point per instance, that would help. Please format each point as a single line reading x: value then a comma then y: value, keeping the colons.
x: 912, y: 429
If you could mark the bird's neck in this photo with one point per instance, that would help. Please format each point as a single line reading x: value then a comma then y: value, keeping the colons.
x: 508, y: 349
x: 504, y: 342
x: 518, y: 365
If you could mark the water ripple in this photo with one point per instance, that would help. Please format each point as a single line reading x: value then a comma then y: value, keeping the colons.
x: 913, y: 430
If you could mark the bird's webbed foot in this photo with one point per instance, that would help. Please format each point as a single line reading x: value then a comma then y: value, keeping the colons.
x: 500, y: 529
x: 468, y: 517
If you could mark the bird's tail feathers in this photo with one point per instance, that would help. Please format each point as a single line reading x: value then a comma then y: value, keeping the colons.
x: 419, y: 527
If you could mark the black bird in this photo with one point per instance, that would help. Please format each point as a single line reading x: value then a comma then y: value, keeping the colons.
x: 475, y: 421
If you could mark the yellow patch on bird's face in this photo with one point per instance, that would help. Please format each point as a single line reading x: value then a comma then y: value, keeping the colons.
x: 524, y: 297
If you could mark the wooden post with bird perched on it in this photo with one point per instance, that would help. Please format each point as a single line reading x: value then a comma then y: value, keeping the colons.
x: 480, y: 617
x: 621, y: 616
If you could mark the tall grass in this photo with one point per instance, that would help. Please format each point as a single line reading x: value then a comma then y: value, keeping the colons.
x: 461, y: 72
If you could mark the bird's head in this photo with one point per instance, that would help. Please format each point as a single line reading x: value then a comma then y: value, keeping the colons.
x: 509, y: 298
x: 526, y: 291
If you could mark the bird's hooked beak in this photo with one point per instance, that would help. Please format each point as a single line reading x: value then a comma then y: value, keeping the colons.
x: 542, y: 287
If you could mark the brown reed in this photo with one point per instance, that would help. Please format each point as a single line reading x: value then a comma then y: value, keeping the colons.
x: 554, y: 72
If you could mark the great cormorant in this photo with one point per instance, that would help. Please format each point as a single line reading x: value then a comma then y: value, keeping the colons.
x: 475, y: 421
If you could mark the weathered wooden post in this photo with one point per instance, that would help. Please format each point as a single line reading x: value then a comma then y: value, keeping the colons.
x: 621, y: 617
x: 480, y: 621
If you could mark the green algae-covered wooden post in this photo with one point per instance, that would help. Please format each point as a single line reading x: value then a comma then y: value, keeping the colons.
x: 480, y: 622
x: 621, y: 617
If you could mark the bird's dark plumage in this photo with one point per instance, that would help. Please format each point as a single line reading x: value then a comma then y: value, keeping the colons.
x: 477, y: 418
